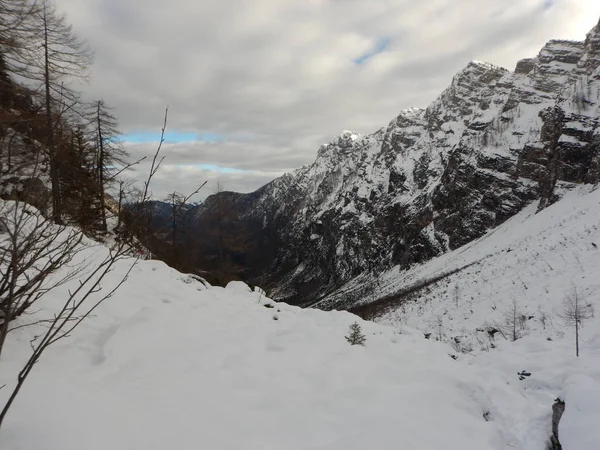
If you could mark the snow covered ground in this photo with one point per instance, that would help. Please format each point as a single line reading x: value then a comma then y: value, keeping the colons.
x: 170, y: 363
x: 534, y: 260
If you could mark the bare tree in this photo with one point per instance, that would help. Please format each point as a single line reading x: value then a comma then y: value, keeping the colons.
x: 178, y: 204
x: 512, y: 326
x: 229, y: 239
x: 440, y: 325
x: 16, y: 27
x: 109, y: 153
x: 36, y: 257
x: 64, y: 57
x: 576, y: 309
x: 157, y: 160
x: 126, y: 190
x: 220, y: 214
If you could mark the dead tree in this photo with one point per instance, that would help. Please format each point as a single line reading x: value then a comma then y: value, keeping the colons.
x: 64, y: 57
x: 16, y: 28
x: 220, y: 215
x: 137, y: 219
x: 109, y: 153
x: 178, y: 203
x: 126, y: 191
x: 576, y: 309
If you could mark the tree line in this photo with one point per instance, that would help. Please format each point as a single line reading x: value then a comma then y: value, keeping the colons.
x: 47, y: 131
x: 59, y: 154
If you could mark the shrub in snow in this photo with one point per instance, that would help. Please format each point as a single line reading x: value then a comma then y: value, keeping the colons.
x: 461, y: 346
x: 356, y: 337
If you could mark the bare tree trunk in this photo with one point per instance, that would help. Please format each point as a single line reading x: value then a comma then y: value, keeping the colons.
x: 101, y: 172
x: 577, y: 338
x: 9, y: 154
x: 80, y: 150
x: 119, y: 212
x: 54, y: 172
x: 514, y: 323
x: 21, y: 379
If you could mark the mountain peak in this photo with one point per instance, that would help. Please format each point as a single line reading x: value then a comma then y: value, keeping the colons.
x: 347, y: 134
x: 484, y: 65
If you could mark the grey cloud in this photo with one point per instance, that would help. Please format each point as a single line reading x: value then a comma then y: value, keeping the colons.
x: 276, y: 78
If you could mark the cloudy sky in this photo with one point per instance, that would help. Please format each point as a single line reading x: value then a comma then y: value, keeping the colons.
x: 255, y: 86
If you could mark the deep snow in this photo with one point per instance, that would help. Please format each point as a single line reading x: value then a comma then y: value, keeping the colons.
x: 170, y: 363
x: 535, y: 259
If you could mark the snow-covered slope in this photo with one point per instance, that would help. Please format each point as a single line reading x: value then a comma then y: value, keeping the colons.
x: 168, y: 362
x: 535, y: 259
x: 432, y: 180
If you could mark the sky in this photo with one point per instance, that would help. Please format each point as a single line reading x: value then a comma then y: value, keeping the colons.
x: 254, y: 87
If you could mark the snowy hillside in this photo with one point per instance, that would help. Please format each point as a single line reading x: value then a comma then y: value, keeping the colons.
x: 533, y: 258
x: 171, y: 363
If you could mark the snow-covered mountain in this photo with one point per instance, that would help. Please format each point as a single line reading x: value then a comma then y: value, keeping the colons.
x: 431, y: 181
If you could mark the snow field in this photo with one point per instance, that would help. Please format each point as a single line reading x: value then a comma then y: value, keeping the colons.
x: 168, y: 363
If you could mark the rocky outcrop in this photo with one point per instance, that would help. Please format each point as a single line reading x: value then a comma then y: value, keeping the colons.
x: 432, y: 180
x: 558, y: 408
x: 29, y: 190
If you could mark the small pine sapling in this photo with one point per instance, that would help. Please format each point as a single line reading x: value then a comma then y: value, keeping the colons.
x: 356, y: 337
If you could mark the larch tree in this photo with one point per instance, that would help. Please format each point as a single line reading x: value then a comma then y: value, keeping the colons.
x: 63, y: 58
x: 179, y: 203
x: 109, y: 152
x: 576, y: 309
x: 17, y: 25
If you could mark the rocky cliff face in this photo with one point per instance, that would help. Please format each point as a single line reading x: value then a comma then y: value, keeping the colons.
x: 432, y: 180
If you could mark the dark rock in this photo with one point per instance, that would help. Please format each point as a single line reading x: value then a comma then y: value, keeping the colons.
x: 558, y: 408
x: 525, y: 66
x: 523, y: 374
x: 29, y: 190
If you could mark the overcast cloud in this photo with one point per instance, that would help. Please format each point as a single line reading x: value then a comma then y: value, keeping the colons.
x: 254, y: 87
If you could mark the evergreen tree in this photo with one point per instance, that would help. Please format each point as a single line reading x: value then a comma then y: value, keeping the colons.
x: 356, y: 337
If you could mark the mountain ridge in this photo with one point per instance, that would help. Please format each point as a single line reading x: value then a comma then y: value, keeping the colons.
x: 430, y: 181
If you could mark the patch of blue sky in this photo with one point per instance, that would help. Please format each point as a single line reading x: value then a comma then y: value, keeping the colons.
x: 548, y: 4
x: 216, y: 168
x: 380, y: 46
x: 172, y: 137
